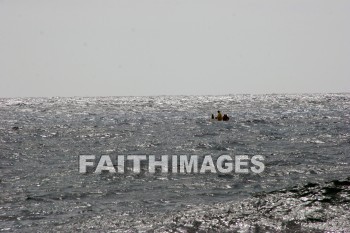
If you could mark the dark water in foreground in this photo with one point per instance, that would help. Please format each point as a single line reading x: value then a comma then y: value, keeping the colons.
x: 305, y: 140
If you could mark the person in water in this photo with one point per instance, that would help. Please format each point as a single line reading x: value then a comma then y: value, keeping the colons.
x: 219, y: 116
x: 225, y: 117
x: 212, y: 116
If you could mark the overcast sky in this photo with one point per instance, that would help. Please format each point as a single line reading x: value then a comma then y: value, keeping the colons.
x: 170, y: 47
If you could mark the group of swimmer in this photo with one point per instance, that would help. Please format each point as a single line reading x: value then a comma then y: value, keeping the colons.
x: 219, y: 117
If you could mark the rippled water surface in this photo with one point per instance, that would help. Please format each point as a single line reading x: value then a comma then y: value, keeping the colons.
x: 304, y: 138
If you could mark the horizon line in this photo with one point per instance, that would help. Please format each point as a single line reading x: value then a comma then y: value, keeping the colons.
x: 173, y: 95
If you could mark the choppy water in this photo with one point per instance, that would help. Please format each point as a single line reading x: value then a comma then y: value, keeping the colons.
x: 304, y: 138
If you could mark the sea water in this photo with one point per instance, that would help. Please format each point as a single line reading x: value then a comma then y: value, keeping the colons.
x: 304, y: 138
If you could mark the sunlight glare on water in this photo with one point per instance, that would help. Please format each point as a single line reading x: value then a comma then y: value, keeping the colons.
x: 304, y: 138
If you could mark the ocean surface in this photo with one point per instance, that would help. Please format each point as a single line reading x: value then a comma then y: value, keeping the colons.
x: 305, y: 140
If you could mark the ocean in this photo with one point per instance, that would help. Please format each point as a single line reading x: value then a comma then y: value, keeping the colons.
x: 304, y: 139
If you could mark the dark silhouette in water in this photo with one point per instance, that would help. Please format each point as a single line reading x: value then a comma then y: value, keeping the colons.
x: 219, y: 117
x: 225, y: 117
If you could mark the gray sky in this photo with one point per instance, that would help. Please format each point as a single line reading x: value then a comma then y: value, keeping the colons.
x: 155, y: 47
